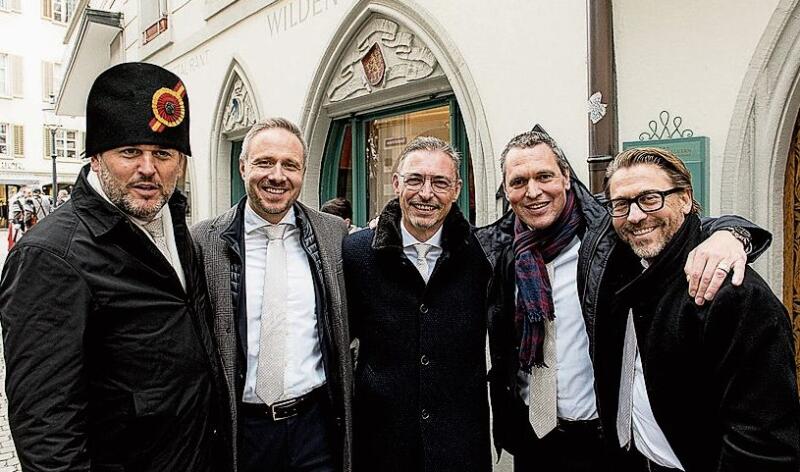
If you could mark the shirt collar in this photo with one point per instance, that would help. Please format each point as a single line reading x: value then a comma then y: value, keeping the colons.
x: 410, y: 240
x: 253, y: 222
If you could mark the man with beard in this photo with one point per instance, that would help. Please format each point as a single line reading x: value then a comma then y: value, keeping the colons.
x: 682, y: 386
x: 416, y: 289
x: 548, y: 254
x: 274, y: 277
x: 111, y: 365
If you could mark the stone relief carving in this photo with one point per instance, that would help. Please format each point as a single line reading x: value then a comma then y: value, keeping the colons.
x: 406, y: 60
x: 239, y: 111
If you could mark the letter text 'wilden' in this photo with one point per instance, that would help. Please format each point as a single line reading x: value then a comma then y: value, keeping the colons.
x: 286, y: 15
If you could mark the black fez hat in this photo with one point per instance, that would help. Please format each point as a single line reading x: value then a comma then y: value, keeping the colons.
x: 137, y: 103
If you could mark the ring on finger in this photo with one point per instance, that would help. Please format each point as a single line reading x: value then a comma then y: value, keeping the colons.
x: 724, y: 267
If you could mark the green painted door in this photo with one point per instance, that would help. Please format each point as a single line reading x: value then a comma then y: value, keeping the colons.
x: 362, y: 154
x: 237, y: 186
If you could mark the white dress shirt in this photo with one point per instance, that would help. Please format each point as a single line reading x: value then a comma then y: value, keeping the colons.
x: 166, y: 220
x: 411, y: 251
x: 648, y: 437
x: 304, y: 368
x: 574, y: 377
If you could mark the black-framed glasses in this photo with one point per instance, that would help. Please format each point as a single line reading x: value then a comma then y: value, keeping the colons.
x: 415, y: 182
x: 648, y: 202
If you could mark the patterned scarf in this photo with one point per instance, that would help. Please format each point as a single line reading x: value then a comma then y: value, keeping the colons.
x: 532, y: 250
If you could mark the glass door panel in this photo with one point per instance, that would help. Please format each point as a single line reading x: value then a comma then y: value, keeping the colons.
x: 385, y: 140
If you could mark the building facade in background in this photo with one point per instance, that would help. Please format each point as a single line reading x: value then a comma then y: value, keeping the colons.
x: 31, y: 67
x: 716, y: 81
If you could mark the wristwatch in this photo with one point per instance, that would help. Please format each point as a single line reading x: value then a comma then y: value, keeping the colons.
x: 743, y: 236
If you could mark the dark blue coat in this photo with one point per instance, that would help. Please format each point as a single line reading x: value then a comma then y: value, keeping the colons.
x: 420, y: 390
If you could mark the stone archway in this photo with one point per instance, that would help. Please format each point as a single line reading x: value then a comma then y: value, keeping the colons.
x: 760, y: 134
x: 237, y: 110
x: 411, y: 16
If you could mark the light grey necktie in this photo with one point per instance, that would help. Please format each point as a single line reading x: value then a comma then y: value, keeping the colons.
x: 272, y: 344
x: 625, y: 407
x: 543, y: 400
x: 156, y: 230
x: 422, y: 259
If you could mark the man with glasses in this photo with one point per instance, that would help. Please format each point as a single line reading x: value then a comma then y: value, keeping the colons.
x: 549, y: 254
x: 682, y: 386
x: 416, y: 290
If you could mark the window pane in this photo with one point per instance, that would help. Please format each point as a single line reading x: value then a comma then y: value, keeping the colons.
x: 3, y: 139
x: 386, y: 138
x: 344, y: 187
x: 3, y: 74
x: 57, y: 10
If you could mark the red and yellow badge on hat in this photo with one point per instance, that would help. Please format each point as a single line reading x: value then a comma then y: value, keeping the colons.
x: 168, y: 108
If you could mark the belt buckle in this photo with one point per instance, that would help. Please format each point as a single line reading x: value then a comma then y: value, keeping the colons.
x: 279, y: 416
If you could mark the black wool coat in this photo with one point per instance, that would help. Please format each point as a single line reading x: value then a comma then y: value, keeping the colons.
x: 111, y: 365
x: 420, y: 389
x: 720, y: 377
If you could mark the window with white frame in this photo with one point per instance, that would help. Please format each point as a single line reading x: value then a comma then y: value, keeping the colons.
x: 4, y: 75
x: 11, y: 5
x: 11, y: 80
x: 51, y: 80
x: 4, y: 139
x: 60, y: 11
x: 153, y: 18
x: 67, y: 144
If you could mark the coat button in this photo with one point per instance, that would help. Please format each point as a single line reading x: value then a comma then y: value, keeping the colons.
x: 424, y: 360
x: 423, y: 309
x: 424, y: 414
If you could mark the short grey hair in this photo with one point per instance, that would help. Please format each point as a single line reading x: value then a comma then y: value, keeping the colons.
x: 271, y: 123
x: 432, y: 144
x: 531, y: 139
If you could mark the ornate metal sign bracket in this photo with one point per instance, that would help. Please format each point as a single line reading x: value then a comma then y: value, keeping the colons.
x: 665, y: 129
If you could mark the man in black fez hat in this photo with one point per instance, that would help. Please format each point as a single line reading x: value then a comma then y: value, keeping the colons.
x: 112, y: 366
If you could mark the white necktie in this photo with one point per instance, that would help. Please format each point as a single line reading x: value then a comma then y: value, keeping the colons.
x: 272, y: 351
x: 422, y: 259
x: 156, y: 230
x: 543, y: 400
x: 625, y: 406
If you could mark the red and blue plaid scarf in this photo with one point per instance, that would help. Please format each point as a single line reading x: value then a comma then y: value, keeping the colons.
x: 532, y: 250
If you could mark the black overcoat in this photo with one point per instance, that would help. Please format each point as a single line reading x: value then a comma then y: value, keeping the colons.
x: 720, y: 377
x: 110, y: 362
x: 420, y: 390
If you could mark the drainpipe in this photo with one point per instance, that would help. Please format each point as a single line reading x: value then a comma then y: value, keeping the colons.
x: 603, y: 129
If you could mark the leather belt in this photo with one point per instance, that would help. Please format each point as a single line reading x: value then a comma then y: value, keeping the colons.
x: 578, y: 425
x: 284, y: 409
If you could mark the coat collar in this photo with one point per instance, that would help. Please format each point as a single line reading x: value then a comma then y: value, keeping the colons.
x: 455, y: 232
x: 100, y: 216
x: 233, y: 222
x: 667, y: 266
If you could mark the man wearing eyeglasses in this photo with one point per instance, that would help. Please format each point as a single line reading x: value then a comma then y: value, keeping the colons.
x: 416, y: 289
x: 682, y: 386
x: 549, y: 254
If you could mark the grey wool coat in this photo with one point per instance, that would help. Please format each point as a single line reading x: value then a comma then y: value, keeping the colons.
x: 220, y: 249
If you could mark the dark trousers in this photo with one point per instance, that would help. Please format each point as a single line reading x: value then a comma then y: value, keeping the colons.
x: 574, y: 446
x: 634, y: 461
x: 301, y: 443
